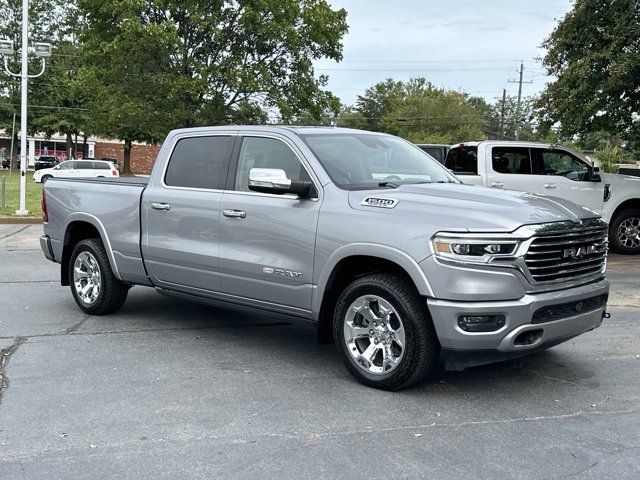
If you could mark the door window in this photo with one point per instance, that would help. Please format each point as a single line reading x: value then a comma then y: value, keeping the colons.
x: 558, y: 162
x: 261, y: 152
x: 511, y: 160
x: 200, y: 162
x: 84, y: 165
x: 66, y: 165
x: 463, y: 160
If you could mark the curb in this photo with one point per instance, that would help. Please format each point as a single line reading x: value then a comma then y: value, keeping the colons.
x: 14, y: 220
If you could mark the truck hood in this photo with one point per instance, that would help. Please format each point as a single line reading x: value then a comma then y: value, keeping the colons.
x: 461, y: 207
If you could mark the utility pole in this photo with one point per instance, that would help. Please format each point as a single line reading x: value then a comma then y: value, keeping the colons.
x: 42, y: 50
x: 519, y: 82
x: 504, y: 101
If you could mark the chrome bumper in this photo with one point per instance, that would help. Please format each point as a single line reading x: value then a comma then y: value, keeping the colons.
x: 519, y: 315
x: 45, y: 245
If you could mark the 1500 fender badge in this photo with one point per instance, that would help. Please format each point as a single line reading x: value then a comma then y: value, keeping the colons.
x: 379, y: 202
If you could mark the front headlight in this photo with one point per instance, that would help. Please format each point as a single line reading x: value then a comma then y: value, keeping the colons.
x: 472, y: 249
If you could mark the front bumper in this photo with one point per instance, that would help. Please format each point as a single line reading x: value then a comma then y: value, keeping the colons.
x: 484, y: 347
x: 45, y: 245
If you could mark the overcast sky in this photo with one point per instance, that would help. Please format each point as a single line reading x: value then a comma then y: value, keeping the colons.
x: 470, y: 45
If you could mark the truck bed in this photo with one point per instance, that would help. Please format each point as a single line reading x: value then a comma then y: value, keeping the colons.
x: 111, y: 206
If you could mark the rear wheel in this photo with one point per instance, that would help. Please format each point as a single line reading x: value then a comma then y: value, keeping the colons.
x: 384, y: 332
x: 624, y: 232
x: 95, y: 288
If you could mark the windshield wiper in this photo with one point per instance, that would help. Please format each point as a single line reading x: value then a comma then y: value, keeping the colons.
x: 389, y: 184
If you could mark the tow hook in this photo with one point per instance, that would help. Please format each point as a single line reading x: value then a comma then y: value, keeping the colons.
x: 606, y: 315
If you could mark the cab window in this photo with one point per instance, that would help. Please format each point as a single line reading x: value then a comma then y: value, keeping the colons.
x: 462, y: 160
x: 200, y: 162
x: 561, y: 163
x: 262, y: 152
x: 511, y: 160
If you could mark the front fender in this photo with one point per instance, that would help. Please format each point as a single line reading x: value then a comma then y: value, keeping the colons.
x: 400, y: 258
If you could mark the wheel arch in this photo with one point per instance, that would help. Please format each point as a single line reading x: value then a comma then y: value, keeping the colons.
x: 81, y: 227
x: 351, y: 262
x: 631, y: 203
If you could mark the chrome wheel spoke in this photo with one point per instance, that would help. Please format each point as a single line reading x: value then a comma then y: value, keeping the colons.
x: 374, y: 334
x: 87, y: 278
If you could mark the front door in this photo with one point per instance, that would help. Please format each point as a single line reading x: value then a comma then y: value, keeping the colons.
x: 567, y: 176
x: 267, y: 241
x: 181, y: 221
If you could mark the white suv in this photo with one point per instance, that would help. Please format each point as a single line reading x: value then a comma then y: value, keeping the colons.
x: 77, y: 169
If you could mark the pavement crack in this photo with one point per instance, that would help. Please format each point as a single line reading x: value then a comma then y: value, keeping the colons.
x: 14, y: 233
x: 5, y: 356
x: 73, y: 328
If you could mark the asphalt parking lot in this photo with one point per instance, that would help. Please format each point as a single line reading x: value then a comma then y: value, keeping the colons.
x: 167, y: 389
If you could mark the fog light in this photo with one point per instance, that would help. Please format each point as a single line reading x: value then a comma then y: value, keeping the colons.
x: 481, y: 323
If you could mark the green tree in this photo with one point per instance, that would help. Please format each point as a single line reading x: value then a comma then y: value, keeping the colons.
x: 378, y: 100
x: 594, y: 54
x: 420, y: 112
x: 160, y: 64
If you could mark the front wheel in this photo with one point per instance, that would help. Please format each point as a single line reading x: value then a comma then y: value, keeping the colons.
x: 624, y: 232
x: 95, y: 288
x: 384, y: 332
x: 45, y: 178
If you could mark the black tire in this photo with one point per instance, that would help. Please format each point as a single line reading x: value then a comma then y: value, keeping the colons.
x: 112, y: 292
x: 628, y: 217
x: 45, y: 178
x: 421, y: 349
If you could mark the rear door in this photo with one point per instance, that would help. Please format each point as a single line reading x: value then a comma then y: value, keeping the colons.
x: 181, y: 214
x: 268, y: 241
x: 567, y: 176
x: 512, y: 168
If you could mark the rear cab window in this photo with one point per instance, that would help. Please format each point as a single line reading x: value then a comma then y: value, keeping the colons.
x: 200, y: 162
x: 463, y: 160
x: 511, y: 160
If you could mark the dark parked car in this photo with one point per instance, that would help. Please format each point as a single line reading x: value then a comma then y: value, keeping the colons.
x: 46, y: 162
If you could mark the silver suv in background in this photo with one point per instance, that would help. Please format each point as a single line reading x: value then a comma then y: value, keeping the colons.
x: 362, y: 233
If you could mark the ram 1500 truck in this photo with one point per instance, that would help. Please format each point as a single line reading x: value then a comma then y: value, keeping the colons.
x: 360, y: 232
x: 555, y: 171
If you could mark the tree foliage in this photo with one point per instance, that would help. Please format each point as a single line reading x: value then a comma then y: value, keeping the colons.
x: 163, y: 64
x: 418, y: 111
x: 594, y: 53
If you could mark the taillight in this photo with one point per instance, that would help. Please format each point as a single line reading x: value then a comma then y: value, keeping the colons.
x: 45, y: 215
x: 114, y: 173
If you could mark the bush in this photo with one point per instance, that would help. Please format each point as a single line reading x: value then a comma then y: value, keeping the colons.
x: 609, y: 157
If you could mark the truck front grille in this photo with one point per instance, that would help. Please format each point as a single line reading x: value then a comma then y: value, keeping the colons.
x: 571, y: 254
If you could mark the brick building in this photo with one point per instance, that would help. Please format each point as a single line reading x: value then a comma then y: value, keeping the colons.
x: 142, y: 155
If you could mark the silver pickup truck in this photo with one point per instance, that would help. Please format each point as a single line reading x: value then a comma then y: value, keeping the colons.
x: 362, y: 233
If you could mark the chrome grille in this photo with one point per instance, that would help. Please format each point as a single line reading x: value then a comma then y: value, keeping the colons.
x: 562, y: 256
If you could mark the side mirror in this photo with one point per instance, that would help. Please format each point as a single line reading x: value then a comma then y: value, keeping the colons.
x: 275, y: 181
x: 594, y: 174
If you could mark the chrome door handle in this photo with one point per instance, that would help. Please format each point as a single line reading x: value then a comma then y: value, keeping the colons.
x: 234, y: 213
x: 549, y: 185
x: 160, y: 206
x: 497, y: 184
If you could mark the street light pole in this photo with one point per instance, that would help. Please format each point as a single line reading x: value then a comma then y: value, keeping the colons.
x: 23, y: 110
x: 42, y: 50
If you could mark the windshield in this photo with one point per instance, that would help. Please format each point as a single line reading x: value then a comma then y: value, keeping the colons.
x: 362, y: 161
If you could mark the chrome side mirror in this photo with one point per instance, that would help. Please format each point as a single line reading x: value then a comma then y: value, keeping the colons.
x: 275, y: 181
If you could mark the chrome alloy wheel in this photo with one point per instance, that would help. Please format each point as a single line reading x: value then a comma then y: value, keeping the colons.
x: 629, y: 232
x: 374, y: 334
x: 87, y: 278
